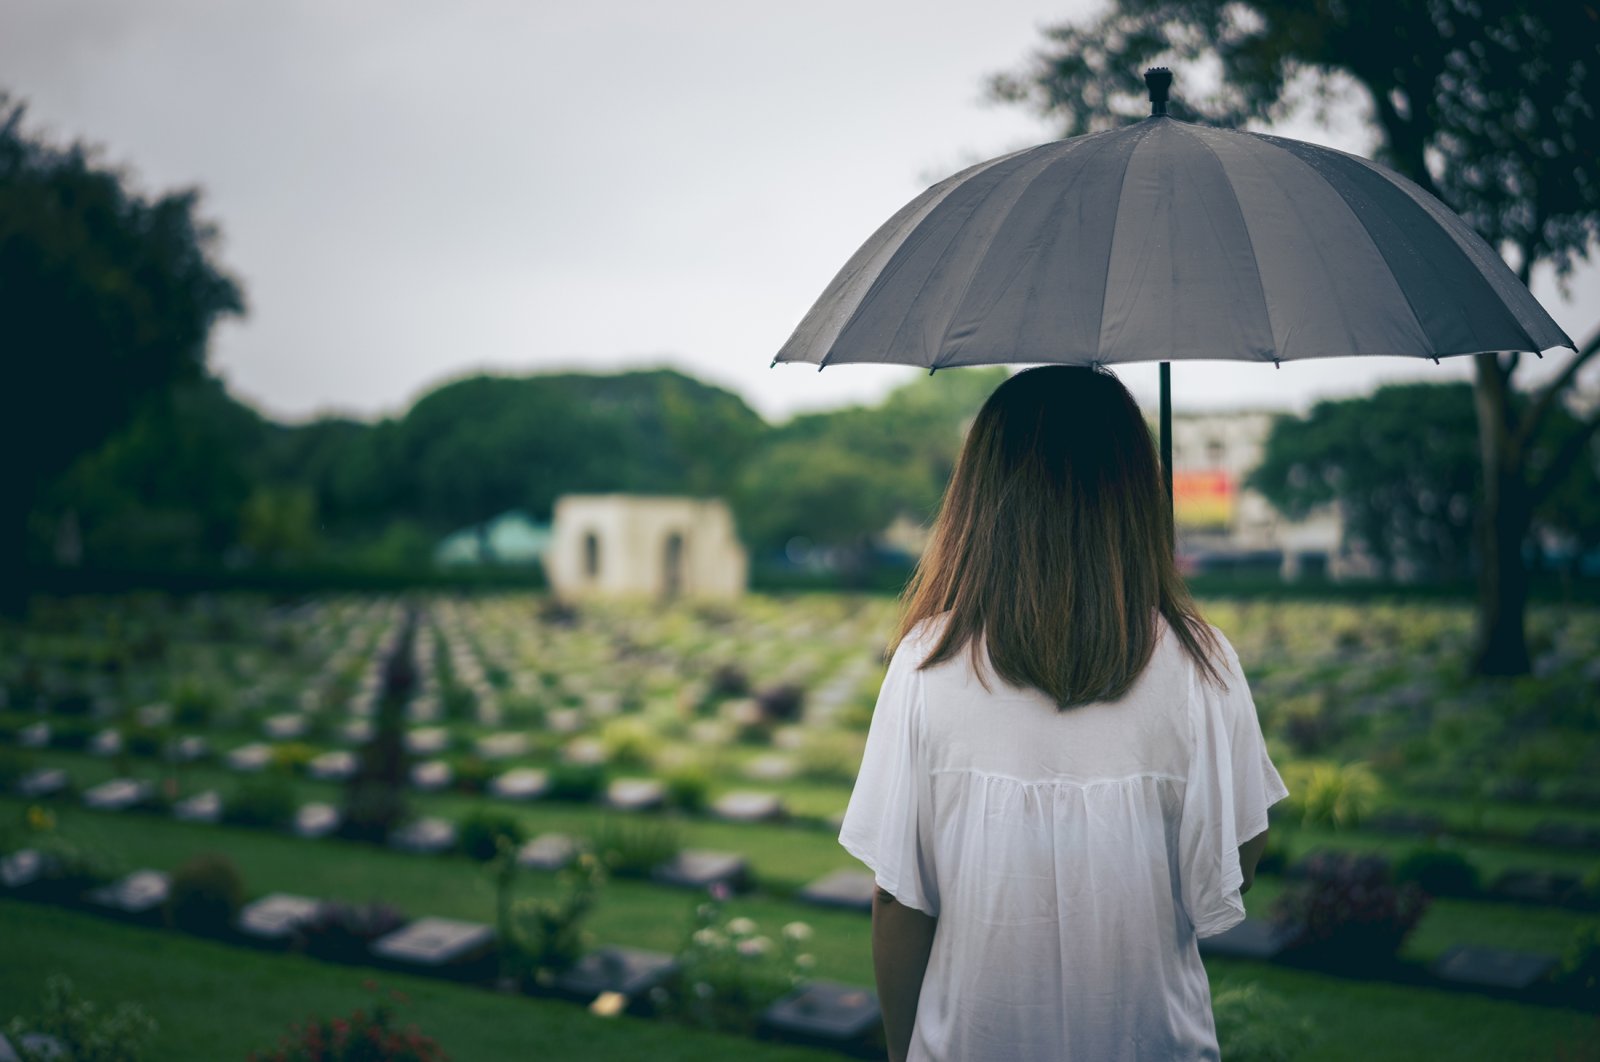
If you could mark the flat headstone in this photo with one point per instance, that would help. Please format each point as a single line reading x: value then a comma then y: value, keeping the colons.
x: 431, y: 775
x: 315, y: 820
x: 851, y: 889
x: 636, y: 794
x: 434, y: 942
x: 356, y: 731
x: 1565, y: 834
x: 332, y: 766
x: 285, y: 726
x: 425, y: 709
x: 548, y: 851
x: 107, y: 742
x: 427, y: 740
x: 629, y: 972
x: 771, y: 768
x: 824, y: 1012
x: 21, y: 868
x: 34, y: 735
x: 710, y: 732
x: 789, y: 738
x: 139, y: 893
x: 503, y: 746
x: 700, y: 869
x: 1254, y: 938
x: 602, y: 704
x: 564, y: 720
x: 117, y: 794
x: 1493, y: 967
x: 40, y: 1047
x: 748, y: 807
x: 520, y: 783
x: 189, y: 748
x: 42, y: 782
x: 276, y: 916
x: 252, y: 757
x: 427, y: 835
x: 158, y: 714
x: 201, y: 807
x: 584, y: 752
x: 742, y: 711
x: 1535, y: 886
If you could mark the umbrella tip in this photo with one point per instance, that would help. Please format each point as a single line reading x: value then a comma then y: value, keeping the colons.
x: 1158, y: 79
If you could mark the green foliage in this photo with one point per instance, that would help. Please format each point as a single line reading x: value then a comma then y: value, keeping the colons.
x: 341, y: 932
x: 628, y: 742
x: 1331, y: 794
x: 266, y: 800
x: 633, y: 847
x: 205, y: 894
x: 1438, y: 871
x: 1579, y: 972
x: 546, y: 936
x: 278, y: 523
x: 480, y: 830
x: 367, y: 1035
x: 1255, y: 1025
x: 86, y: 1031
x: 194, y: 701
x: 577, y: 782
x: 688, y: 787
x: 729, y: 972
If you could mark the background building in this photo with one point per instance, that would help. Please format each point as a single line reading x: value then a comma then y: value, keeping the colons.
x: 633, y: 545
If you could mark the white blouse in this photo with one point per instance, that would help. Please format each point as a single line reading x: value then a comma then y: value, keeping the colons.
x: 1071, y: 858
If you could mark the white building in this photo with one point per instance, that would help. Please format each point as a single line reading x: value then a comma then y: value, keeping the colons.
x: 620, y: 545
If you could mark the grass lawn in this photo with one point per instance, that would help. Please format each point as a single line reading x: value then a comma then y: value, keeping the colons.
x: 215, y: 1002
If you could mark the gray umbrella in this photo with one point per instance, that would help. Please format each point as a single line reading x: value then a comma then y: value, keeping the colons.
x: 1166, y: 241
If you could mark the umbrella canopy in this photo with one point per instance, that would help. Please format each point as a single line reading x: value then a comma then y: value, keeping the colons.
x: 1165, y: 241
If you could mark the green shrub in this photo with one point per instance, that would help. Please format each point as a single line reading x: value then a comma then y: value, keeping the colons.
x: 632, y: 848
x: 291, y: 757
x: 831, y: 755
x: 265, y: 800
x: 72, y: 733
x: 1579, y: 971
x: 471, y: 773
x: 141, y: 740
x: 688, y: 787
x: 1438, y: 871
x: 479, y: 832
x: 628, y: 742
x: 194, y: 702
x: 729, y: 972
x: 205, y: 894
x: 545, y: 935
x: 1254, y: 1025
x: 87, y: 1032
x: 1332, y: 794
x: 14, y: 763
x: 578, y: 782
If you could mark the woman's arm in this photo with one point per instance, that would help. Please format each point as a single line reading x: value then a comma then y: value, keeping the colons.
x: 901, y: 939
x: 1249, y: 855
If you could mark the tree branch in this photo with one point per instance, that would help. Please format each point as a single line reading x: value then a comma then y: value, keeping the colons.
x: 1551, y: 393
x: 1565, y: 458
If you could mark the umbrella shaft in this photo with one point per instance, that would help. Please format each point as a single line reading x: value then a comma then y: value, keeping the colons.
x: 1166, y: 449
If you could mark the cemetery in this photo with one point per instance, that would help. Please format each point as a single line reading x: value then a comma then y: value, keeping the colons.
x: 620, y: 817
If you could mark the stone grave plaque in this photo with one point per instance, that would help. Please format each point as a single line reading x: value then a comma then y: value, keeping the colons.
x: 635, y: 794
x: 789, y: 738
x: 363, y: 704
x: 431, y: 775
x: 334, y: 766
x: 252, y: 757
x: 603, y: 704
x: 274, y: 918
x: 426, y: 835
x: 742, y: 711
x: 548, y: 851
x: 771, y: 768
x: 1254, y: 938
x: 564, y: 720
x: 629, y: 972
x: 42, y: 782
x: 748, y: 807
x: 205, y: 806
x: 117, y: 794
x: 695, y: 868
x: 1535, y: 886
x: 427, y: 740
x: 38, y: 1045
x: 520, y: 783
x: 824, y: 1013
x: 138, y: 895
x: 584, y: 752
x: 1565, y: 834
x: 158, y: 714
x: 424, y: 709
x: 107, y: 742
x: 21, y: 868
x: 436, y: 943
x: 1493, y: 967
x: 502, y: 746
x: 34, y: 735
x: 710, y: 732
x: 851, y: 889
x: 356, y: 731
x: 315, y: 820
x: 285, y: 726
x: 189, y: 748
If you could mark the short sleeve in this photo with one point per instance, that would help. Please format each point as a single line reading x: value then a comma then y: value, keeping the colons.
x: 1230, y: 785
x: 888, y: 822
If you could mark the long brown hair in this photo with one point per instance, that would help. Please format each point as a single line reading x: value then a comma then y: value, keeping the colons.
x: 1052, y: 546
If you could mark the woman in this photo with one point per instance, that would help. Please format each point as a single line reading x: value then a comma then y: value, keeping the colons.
x: 1065, y: 783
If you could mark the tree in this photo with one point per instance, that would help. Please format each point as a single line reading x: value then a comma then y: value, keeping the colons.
x: 106, y: 297
x: 1488, y: 104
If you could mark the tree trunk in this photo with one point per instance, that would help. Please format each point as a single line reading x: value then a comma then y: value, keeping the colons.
x: 1501, y: 646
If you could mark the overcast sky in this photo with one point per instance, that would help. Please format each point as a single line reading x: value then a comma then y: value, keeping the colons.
x: 413, y: 191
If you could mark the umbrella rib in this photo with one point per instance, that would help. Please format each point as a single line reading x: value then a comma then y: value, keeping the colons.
x: 1111, y: 241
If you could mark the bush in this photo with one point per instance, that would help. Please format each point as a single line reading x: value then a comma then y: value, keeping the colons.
x: 728, y: 972
x: 67, y: 867
x: 194, y: 702
x: 1331, y: 794
x: 1437, y: 871
x: 85, y: 1031
x: 545, y: 936
x: 205, y: 895
x: 141, y: 740
x: 479, y: 832
x: 632, y: 848
x: 832, y: 755
x: 1254, y: 1025
x: 471, y: 774
x: 340, y: 932
x: 728, y: 680
x: 576, y: 782
x: 72, y: 733
x: 367, y: 1035
x: 267, y: 800
x: 1579, y: 971
x: 628, y: 742
x: 291, y: 757
x: 782, y: 703
x: 1346, y: 911
x: 688, y: 787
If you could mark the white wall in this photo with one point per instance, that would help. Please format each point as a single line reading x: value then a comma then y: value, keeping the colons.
x: 632, y: 533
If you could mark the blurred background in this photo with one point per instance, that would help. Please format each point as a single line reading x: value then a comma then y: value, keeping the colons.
x: 408, y: 558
